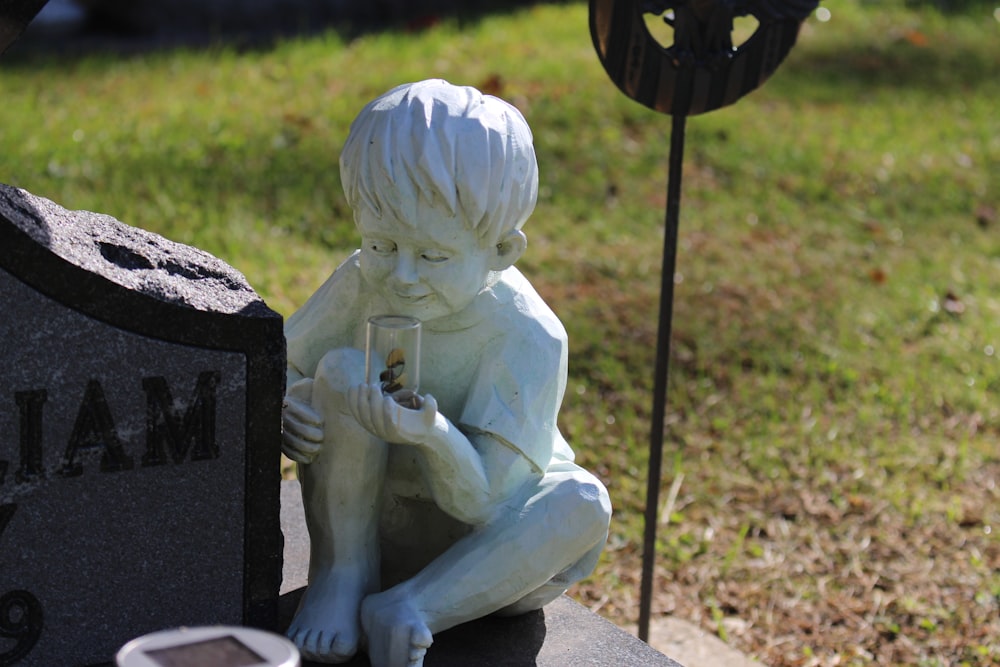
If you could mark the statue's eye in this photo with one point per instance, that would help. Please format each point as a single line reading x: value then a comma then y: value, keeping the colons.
x: 382, y: 247
x: 434, y: 256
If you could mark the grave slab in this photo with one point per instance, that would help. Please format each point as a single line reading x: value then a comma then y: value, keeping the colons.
x: 140, y: 398
x: 562, y: 634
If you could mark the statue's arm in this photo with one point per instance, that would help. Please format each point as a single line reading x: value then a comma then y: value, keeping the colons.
x: 473, y: 475
x: 470, y: 475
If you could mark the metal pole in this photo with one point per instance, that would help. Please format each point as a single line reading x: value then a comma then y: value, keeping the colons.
x: 664, y: 80
x: 676, y: 164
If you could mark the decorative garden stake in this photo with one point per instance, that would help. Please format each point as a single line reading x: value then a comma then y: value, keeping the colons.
x: 699, y: 72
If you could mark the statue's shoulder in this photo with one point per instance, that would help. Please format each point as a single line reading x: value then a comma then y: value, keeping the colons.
x: 527, y: 314
x: 342, y: 287
x: 328, y: 319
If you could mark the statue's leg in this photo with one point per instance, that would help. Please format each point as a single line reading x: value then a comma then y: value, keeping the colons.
x: 555, y: 586
x: 550, y: 534
x: 341, y: 489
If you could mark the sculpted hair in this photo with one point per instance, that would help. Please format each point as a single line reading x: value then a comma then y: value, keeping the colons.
x: 444, y: 145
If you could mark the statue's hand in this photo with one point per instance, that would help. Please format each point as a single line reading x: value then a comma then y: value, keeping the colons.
x: 387, y: 420
x: 301, y: 430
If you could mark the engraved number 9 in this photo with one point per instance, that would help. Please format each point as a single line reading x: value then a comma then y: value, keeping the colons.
x: 21, y: 621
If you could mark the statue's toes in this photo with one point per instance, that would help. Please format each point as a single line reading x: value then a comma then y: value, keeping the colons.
x: 343, y: 647
x: 305, y: 639
x: 417, y: 657
x: 420, y: 640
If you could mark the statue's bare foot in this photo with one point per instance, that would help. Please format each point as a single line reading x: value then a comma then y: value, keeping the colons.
x: 397, y: 635
x: 326, y: 627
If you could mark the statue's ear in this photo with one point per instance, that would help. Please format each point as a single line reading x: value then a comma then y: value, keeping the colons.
x: 509, y: 249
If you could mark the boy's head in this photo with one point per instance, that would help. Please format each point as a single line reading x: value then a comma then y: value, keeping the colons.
x: 448, y: 147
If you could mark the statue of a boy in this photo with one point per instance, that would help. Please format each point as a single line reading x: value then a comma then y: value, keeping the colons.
x: 421, y: 519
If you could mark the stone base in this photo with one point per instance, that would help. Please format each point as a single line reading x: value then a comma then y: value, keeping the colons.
x: 562, y: 634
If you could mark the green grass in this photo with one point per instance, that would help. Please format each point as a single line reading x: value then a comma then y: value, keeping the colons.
x: 834, y: 404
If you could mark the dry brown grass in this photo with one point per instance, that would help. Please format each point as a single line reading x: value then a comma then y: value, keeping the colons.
x: 793, y: 579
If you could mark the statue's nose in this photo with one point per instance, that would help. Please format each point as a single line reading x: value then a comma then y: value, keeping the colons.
x: 405, y: 271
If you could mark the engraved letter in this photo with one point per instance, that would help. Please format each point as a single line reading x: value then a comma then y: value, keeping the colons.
x: 167, y: 431
x: 94, y: 428
x: 6, y: 514
x: 30, y: 404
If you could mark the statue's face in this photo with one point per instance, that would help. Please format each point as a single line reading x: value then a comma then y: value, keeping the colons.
x: 431, y: 268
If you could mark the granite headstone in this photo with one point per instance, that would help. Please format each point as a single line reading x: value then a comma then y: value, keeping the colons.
x: 140, y: 406
x: 15, y: 15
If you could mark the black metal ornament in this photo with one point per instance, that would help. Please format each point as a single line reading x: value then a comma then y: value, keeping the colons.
x: 701, y: 71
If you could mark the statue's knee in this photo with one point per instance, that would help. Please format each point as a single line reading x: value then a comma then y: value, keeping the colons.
x: 586, y: 503
x: 341, y: 369
x: 338, y: 371
x: 598, y: 502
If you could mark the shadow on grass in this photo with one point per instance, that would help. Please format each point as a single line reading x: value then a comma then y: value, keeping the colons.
x: 903, y: 59
x: 255, y: 27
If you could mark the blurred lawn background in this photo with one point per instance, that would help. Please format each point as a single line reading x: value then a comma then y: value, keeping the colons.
x: 831, y: 489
